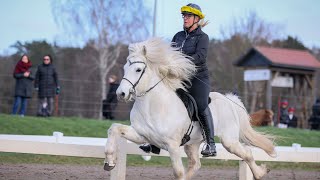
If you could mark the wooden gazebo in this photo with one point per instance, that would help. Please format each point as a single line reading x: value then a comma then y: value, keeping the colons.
x: 277, y: 74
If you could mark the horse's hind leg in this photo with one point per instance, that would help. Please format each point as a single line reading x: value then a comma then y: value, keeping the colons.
x: 235, y: 147
x: 114, y: 133
x: 194, y: 163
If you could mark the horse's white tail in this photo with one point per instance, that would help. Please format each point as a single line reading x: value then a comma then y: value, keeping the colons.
x: 247, y: 134
x: 251, y: 137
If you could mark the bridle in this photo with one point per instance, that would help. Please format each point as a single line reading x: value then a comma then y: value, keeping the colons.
x: 133, y: 88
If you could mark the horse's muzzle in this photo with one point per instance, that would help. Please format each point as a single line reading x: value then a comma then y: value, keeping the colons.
x: 122, y: 96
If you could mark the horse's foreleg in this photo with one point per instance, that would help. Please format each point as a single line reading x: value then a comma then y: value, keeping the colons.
x: 194, y: 163
x: 235, y: 147
x: 176, y: 162
x: 115, y: 132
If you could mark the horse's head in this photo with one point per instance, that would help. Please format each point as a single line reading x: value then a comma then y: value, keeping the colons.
x: 269, y: 116
x: 151, y: 62
x: 135, y: 71
x: 263, y: 117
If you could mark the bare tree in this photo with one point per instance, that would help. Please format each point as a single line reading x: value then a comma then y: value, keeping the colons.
x: 252, y: 28
x: 241, y: 34
x: 104, y: 25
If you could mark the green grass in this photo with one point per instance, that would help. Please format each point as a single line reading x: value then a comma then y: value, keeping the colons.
x: 96, y: 128
x: 286, y: 137
x: 29, y: 125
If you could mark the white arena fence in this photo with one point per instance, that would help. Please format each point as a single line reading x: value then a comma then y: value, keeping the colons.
x: 94, y: 147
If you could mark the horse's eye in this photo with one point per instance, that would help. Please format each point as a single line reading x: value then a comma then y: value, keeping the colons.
x: 138, y: 70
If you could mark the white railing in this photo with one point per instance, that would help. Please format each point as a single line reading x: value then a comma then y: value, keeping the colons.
x: 94, y: 147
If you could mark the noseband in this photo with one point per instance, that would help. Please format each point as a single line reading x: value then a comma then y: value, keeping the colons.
x: 133, y: 89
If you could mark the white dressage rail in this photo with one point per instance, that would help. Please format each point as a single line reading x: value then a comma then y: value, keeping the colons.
x: 94, y: 147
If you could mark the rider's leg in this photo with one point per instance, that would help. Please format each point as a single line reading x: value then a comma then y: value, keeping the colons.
x: 207, y: 123
x: 200, y: 91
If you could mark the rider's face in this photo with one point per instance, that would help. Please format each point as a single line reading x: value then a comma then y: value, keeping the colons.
x: 188, y: 19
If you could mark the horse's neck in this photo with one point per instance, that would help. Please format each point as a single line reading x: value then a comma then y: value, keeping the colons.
x: 157, y: 101
x: 160, y: 94
x: 160, y: 113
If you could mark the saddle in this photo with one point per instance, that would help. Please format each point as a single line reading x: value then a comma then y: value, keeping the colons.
x: 190, y: 103
x: 192, y: 108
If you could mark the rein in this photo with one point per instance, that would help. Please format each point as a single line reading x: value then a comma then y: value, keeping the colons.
x: 133, y: 89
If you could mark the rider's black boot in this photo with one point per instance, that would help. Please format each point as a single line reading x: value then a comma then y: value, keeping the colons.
x: 150, y: 148
x: 207, y: 123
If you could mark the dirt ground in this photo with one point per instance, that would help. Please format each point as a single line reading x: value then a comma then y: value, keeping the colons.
x: 71, y: 172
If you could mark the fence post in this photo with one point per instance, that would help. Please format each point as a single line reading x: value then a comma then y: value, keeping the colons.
x: 244, y: 171
x: 119, y: 172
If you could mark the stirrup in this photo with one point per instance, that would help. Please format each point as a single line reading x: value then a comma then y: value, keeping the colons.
x: 210, y: 153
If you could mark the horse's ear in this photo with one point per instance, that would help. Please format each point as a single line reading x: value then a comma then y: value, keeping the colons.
x: 144, y: 50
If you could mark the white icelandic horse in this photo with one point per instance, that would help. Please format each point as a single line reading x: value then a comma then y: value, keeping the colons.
x: 153, y: 72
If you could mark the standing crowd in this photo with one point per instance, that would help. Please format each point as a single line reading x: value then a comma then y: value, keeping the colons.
x: 44, y: 81
x: 288, y: 119
x: 287, y: 116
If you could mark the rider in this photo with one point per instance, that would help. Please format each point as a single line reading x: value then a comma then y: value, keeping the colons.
x: 193, y: 42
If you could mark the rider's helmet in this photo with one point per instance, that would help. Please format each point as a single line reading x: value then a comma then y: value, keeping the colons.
x: 192, y: 9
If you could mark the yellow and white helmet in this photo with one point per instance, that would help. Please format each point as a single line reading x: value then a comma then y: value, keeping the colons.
x: 192, y: 9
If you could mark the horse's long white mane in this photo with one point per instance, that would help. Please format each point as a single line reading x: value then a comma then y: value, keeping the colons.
x: 165, y: 60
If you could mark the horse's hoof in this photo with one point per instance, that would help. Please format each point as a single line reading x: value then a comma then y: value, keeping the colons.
x: 107, y: 167
x: 268, y: 170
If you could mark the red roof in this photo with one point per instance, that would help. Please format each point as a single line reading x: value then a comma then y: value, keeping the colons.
x: 289, y: 56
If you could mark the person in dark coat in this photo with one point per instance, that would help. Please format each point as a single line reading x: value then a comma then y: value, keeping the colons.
x: 111, y: 102
x: 284, y: 115
x: 23, y: 88
x: 293, y: 120
x: 47, y: 85
x: 193, y: 42
x: 314, y: 120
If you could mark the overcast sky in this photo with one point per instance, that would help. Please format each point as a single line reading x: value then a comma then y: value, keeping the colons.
x: 27, y: 20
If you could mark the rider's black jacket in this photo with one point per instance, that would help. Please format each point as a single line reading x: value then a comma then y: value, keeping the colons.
x: 194, y: 44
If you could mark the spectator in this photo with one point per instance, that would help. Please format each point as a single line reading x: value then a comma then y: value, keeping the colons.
x: 110, y: 103
x: 314, y: 120
x: 47, y: 85
x: 23, y: 89
x: 293, y: 120
x: 284, y: 117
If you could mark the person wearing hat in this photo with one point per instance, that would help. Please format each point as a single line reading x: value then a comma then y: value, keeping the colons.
x: 293, y: 120
x: 284, y: 116
x: 193, y: 42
